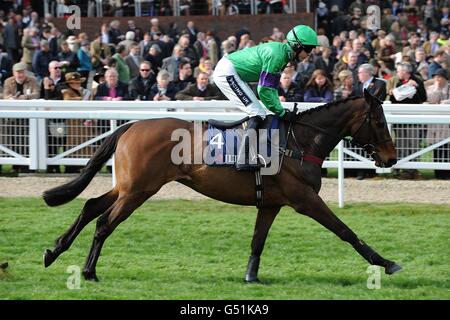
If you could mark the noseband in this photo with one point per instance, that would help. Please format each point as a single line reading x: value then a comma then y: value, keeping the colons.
x: 370, y: 146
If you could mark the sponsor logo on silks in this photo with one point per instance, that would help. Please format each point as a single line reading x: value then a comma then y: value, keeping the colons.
x: 238, y: 91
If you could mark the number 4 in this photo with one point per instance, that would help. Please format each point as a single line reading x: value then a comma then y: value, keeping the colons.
x: 217, y: 140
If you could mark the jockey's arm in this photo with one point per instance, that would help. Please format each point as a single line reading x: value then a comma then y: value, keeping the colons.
x: 269, y: 97
x: 273, y: 63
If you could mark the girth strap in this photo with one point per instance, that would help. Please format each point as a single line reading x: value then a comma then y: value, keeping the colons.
x: 299, y: 155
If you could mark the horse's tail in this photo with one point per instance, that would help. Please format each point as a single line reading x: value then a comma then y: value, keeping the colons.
x: 69, y: 191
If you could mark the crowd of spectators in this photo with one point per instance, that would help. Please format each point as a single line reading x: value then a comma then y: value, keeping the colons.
x: 406, y: 60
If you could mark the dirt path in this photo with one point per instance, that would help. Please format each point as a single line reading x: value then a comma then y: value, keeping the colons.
x: 373, y: 190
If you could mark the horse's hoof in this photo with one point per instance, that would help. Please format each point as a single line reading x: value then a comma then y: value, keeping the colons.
x: 4, y: 265
x: 392, y: 268
x: 48, y: 258
x: 90, y: 276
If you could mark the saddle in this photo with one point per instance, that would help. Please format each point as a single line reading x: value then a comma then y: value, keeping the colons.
x: 224, y: 139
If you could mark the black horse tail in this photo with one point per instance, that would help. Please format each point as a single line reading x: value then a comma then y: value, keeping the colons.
x: 69, y: 191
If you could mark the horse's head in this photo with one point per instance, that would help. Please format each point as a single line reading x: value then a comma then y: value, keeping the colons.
x: 372, y: 133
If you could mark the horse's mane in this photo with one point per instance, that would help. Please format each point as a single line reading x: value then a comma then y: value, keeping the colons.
x: 326, y: 106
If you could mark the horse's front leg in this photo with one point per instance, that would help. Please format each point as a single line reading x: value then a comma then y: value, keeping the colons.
x: 264, y: 221
x: 313, y: 206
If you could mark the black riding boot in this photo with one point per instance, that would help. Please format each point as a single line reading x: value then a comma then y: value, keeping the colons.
x: 247, y: 158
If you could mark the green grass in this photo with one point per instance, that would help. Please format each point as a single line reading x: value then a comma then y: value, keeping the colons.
x: 199, y: 250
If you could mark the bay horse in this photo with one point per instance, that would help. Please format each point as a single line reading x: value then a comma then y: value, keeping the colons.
x: 143, y: 165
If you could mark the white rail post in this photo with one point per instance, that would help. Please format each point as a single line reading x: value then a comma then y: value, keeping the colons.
x: 341, y: 173
x: 33, y: 144
x: 42, y: 143
x: 113, y: 166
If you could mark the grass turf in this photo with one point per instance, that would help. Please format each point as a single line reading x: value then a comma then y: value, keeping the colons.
x: 199, y: 250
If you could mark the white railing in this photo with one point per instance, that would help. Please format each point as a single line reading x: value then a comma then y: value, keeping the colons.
x: 36, y: 113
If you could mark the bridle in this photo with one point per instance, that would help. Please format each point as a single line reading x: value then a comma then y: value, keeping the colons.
x: 366, y: 124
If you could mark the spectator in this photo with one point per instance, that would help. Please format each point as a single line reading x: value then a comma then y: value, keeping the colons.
x: 41, y: 60
x: 104, y: 33
x: 163, y: 90
x: 367, y: 80
x: 206, y: 67
x: 288, y: 91
x: 52, y: 85
x: 419, y: 59
x: 133, y: 60
x: 114, y: 33
x: 184, y: 76
x: 122, y: 68
x: 319, y: 88
x: 19, y: 87
x: 69, y: 60
x: 5, y: 66
x: 113, y: 89
x: 438, y: 61
x: 170, y: 64
x: 347, y: 63
x: 422, y: 72
x: 11, y: 39
x: 154, y: 57
x: 100, y: 53
x: 145, y: 44
x: 189, y: 51
x: 407, y: 136
x: 325, y: 62
x: 202, y: 90
x: 345, y: 87
x: 387, y: 53
x: 357, y: 46
x: 129, y: 40
x: 439, y: 92
x: 191, y: 31
x: 305, y: 68
x: 30, y: 42
x: 200, y: 45
x: 84, y: 57
x: 78, y: 130
x: 140, y: 86
x: 211, y: 47
x: 431, y: 46
x: 414, y: 43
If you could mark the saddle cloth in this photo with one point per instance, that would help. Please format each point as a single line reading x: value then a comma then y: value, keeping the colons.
x: 223, y: 144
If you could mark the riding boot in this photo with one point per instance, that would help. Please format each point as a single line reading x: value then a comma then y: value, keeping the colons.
x: 247, y: 158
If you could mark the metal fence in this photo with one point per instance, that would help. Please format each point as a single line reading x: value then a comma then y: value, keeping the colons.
x: 39, y: 133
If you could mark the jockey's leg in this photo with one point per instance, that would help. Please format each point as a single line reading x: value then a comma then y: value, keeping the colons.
x: 247, y: 158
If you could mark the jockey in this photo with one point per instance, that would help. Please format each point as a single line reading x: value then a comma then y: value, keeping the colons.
x: 263, y: 63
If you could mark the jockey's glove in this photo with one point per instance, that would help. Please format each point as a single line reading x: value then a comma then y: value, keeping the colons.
x: 290, y: 115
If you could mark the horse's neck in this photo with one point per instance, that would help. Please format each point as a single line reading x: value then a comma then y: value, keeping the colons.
x: 336, y: 120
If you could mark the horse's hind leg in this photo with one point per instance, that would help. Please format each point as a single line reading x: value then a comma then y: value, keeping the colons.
x: 314, y: 207
x: 92, y: 209
x: 264, y: 221
x: 121, y: 210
